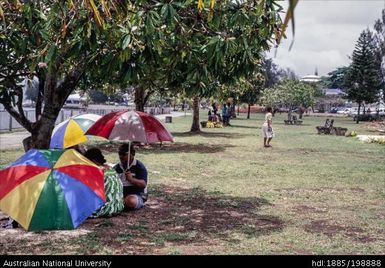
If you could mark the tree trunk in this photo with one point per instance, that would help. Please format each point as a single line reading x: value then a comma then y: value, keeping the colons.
x: 41, y: 139
x: 27, y: 143
x: 55, y: 94
x: 233, y: 114
x: 195, y: 123
x: 139, y: 99
x: 248, y: 110
x: 301, y: 110
x: 358, y: 113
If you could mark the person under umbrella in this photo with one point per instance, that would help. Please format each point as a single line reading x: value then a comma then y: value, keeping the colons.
x: 133, y: 175
x: 113, y: 187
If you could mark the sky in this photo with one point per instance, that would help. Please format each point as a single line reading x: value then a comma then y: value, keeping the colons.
x: 325, y: 34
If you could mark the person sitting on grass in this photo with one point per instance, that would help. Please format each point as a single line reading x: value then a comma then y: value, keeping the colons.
x: 113, y: 187
x: 133, y: 175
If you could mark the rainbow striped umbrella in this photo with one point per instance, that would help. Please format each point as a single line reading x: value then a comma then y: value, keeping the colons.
x: 51, y: 189
x: 71, y: 131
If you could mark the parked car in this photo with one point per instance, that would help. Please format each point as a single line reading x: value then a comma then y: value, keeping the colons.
x: 380, y: 111
x: 283, y: 110
x: 343, y: 111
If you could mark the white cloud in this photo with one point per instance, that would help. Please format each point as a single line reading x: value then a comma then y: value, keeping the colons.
x: 325, y: 34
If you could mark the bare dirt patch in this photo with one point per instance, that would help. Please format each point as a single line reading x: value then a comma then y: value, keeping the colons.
x: 330, y: 230
x: 309, y: 209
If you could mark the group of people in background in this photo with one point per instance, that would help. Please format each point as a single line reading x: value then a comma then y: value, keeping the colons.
x: 224, y: 117
x: 267, y: 126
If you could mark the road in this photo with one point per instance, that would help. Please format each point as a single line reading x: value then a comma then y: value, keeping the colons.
x: 13, y: 140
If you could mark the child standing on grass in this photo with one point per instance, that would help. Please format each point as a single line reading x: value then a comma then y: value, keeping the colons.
x: 267, y: 128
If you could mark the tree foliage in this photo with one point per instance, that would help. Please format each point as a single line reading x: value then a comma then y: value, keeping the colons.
x: 58, y: 42
x: 363, y: 80
x: 218, y: 45
x: 252, y: 89
x: 289, y: 93
x: 379, y: 39
x: 336, y: 78
x: 172, y: 46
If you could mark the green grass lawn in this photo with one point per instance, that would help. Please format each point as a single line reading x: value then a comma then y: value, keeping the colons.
x: 221, y: 192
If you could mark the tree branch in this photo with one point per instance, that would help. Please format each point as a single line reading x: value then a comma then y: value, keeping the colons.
x: 20, y: 118
x: 69, y: 84
x: 39, y: 95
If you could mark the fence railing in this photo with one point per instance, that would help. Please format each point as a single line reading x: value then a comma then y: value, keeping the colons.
x: 8, y: 123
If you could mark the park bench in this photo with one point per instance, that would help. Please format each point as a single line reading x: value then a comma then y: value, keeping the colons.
x: 339, y: 131
x: 328, y: 128
x: 293, y: 121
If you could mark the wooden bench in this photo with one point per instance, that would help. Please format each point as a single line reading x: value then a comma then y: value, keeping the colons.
x: 293, y: 121
x: 339, y: 131
x: 328, y: 128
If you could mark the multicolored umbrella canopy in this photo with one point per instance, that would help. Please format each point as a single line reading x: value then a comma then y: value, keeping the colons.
x: 51, y: 189
x: 130, y: 126
x: 71, y: 131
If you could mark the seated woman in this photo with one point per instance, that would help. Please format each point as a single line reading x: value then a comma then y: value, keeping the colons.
x: 210, y: 116
x: 113, y: 187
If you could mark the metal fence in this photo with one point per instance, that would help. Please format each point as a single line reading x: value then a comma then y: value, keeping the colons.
x: 8, y: 123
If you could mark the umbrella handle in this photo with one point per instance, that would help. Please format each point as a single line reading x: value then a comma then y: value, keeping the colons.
x: 129, y: 155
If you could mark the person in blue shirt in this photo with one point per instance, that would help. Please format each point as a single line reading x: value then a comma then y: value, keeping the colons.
x: 134, y: 177
x: 224, y: 114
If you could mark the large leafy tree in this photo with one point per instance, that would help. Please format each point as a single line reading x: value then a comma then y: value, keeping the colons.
x: 252, y: 89
x: 379, y: 38
x: 291, y: 93
x: 58, y: 42
x: 170, y: 45
x: 216, y: 45
x: 336, y: 78
x: 271, y: 72
x: 363, y: 80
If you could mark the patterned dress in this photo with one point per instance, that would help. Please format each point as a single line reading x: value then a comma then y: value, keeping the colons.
x: 113, y: 189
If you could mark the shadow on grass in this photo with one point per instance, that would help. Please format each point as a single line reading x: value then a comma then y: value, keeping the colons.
x: 291, y: 125
x: 243, y: 117
x: 179, y: 216
x: 177, y: 147
x: 240, y: 126
x: 189, y: 218
x: 205, y: 134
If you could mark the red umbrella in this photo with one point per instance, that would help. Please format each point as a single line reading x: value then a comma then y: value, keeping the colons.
x: 131, y: 126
